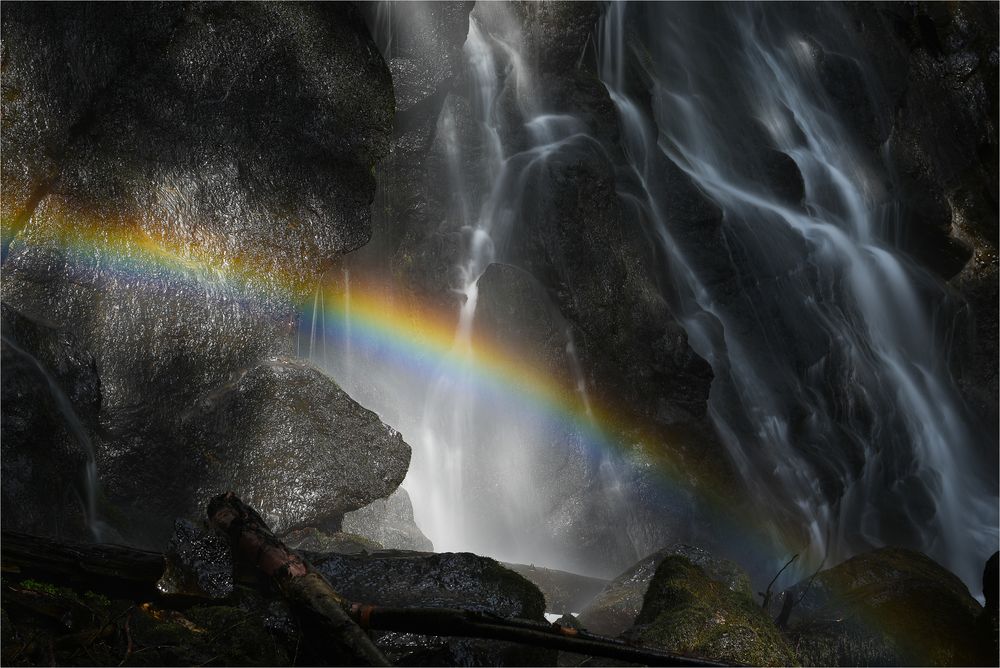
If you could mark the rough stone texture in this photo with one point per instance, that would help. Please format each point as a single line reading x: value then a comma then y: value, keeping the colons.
x: 939, y: 64
x: 448, y: 580
x: 51, y: 397
x: 171, y: 191
x: 284, y: 437
x: 388, y: 522
x: 564, y: 592
x: 887, y: 607
x: 684, y: 610
x: 316, y: 540
x: 199, y: 563
x: 616, y: 607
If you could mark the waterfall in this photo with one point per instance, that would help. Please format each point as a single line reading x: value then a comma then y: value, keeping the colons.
x: 832, y: 391
x: 480, y: 476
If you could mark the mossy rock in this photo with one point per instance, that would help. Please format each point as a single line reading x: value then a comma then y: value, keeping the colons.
x: 616, y: 607
x: 686, y: 611
x: 887, y: 607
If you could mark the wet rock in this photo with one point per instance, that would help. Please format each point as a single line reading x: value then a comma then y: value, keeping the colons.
x: 48, y: 414
x: 685, y: 610
x: 448, y: 580
x: 616, y: 607
x: 939, y: 66
x: 988, y: 622
x: 388, y: 522
x: 315, y: 540
x: 283, y: 436
x: 176, y: 188
x: 199, y: 563
x: 564, y: 592
x: 422, y: 43
x: 887, y: 607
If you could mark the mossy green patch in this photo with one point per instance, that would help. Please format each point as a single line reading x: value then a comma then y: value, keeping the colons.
x: 686, y: 611
x: 888, y: 606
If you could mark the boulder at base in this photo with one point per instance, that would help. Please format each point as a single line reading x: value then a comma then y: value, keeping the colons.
x: 686, y: 611
x: 447, y: 580
x: 388, y: 522
x: 615, y: 608
x: 887, y: 607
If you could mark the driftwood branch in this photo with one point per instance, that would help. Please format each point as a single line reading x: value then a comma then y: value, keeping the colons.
x: 118, y: 571
x: 470, y: 624
x: 254, y: 544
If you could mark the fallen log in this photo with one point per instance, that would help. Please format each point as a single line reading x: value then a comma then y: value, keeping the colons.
x: 472, y: 624
x: 133, y: 574
x: 254, y: 544
x: 116, y: 570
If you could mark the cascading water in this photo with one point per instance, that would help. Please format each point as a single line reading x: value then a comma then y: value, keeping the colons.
x: 831, y: 391
x: 481, y: 474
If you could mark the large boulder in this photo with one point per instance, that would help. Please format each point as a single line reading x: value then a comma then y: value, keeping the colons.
x: 448, y: 580
x: 887, y: 607
x: 686, y: 611
x: 616, y: 607
x: 173, y: 194
x: 283, y: 436
x: 389, y: 522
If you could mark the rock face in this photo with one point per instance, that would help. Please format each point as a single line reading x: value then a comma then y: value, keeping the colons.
x: 389, y: 522
x: 887, y: 607
x: 616, y: 607
x: 51, y: 397
x: 685, y: 610
x: 440, y: 580
x: 940, y: 67
x: 283, y: 436
x: 170, y: 195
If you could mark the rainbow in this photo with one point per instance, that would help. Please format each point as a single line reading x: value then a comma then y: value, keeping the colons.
x: 409, y: 331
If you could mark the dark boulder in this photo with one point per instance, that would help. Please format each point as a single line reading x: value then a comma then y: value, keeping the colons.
x: 50, y: 400
x: 887, y: 607
x: 283, y: 436
x: 388, y: 522
x: 448, y: 580
x: 173, y: 192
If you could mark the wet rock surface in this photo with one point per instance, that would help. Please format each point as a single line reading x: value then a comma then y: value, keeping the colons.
x: 939, y: 64
x: 51, y: 397
x: 887, y: 607
x: 315, y: 540
x: 614, y: 609
x: 170, y: 194
x: 686, y: 611
x: 564, y: 592
x: 388, y: 522
x: 199, y: 563
x: 287, y: 439
x: 447, y: 580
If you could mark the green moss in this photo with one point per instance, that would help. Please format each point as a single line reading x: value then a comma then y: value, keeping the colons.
x: 686, y: 611
x: 46, y: 588
x: 889, y: 606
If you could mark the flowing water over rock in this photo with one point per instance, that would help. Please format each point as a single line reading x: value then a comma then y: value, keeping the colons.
x: 771, y: 218
x: 832, y: 388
